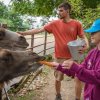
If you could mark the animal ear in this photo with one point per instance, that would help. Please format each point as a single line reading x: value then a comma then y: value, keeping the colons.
x: 2, y: 33
x: 8, y: 58
x: 22, y: 40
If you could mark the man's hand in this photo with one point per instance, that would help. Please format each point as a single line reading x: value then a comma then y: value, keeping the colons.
x: 21, y: 33
x: 85, y: 46
x: 83, y: 49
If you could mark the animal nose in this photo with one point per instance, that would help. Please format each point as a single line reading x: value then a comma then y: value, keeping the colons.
x: 46, y: 57
x: 42, y: 57
x: 35, y: 56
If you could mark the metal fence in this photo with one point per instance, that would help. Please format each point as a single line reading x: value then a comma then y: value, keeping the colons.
x: 46, y: 45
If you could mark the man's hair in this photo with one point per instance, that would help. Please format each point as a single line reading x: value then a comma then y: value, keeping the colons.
x: 65, y: 5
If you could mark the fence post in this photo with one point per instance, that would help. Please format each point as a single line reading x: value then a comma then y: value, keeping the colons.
x: 45, y: 42
x: 32, y: 42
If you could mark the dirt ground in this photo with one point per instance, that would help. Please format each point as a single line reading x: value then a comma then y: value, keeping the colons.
x: 48, y: 91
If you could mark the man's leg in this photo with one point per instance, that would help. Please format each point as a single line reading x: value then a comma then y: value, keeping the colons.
x: 78, y: 88
x: 57, y: 86
x: 58, y: 79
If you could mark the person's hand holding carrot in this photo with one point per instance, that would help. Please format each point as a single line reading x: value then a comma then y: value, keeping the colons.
x: 67, y: 64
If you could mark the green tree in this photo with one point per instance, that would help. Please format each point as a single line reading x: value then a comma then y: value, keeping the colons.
x: 10, y: 17
x: 3, y: 10
x: 83, y: 10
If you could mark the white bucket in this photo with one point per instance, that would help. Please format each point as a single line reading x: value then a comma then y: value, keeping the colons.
x: 74, y: 47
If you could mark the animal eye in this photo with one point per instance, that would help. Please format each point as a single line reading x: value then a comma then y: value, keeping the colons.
x: 8, y: 58
x: 21, y: 38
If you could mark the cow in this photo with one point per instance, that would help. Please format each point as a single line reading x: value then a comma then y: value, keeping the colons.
x: 15, y: 60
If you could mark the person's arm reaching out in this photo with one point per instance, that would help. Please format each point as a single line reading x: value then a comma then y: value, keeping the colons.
x: 85, y: 75
x: 32, y: 31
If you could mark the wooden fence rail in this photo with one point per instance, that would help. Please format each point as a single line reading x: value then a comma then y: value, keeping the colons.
x: 44, y: 45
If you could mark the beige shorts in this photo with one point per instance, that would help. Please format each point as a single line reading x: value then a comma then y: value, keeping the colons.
x: 59, y: 75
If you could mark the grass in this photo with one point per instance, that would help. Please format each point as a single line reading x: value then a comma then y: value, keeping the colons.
x: 29, y: 96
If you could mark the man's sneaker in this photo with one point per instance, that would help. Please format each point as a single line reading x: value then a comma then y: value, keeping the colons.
x: 77, y: 99
x: 58, y: 97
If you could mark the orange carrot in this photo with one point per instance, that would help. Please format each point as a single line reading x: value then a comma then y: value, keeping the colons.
x: 46, y: 63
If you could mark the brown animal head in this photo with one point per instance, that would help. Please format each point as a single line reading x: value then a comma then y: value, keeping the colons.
x: 14, y: 60
x: 17, y: 63
x: 11, y: 40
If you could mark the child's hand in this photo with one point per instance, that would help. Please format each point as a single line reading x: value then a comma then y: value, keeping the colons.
x: 67, y: 64
x: 55, y: 64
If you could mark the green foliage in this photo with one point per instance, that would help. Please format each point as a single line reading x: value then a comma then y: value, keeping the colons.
x: 84, y: 10
x: 47, y: 7
x: 27, y: 96
x: 3, y: 10
x: 15, y: 19
x: 91, y: 3
x: 35, y: 7
x: 48, y: 57
x: 11, y: 18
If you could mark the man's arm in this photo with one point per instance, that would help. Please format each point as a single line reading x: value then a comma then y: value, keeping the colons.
x: 86, y: 40
x: 86, y: 46
x: 82, y: 35
x: 32, y: 31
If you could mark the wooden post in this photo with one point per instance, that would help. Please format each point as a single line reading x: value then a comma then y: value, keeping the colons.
x: 32, y: 42
x: 45, y: 42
